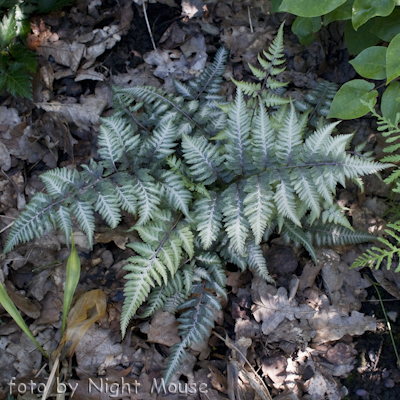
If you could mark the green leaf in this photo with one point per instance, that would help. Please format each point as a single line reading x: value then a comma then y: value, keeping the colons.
x: 51, y: 5
x: 23, y: 56
x: 17, y: 81
x: 310, y: 8
x: 7, y: 29
x: 305, y: 28
x: 390, y: 104
x: 9, y: 306
x: 359, y: 40
x: 275, y: 5
x: 392, y: 59
x: 73, y: 275
x: 347, y: 102
x: 342, y: 13
x: 364, y: 10
x: 371, y: 63
x: 388, y: 27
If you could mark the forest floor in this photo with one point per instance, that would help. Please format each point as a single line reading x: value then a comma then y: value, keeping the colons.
x: 84, y: 50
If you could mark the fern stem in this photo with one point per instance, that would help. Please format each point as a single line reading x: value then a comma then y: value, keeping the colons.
x: 134, y: 119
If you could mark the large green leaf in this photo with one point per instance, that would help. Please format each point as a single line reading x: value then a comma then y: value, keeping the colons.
x: 347, y: 102
x: 364, y: 10
x: 392, y: 59
x: 388, y: 27
x: 9, y: 306
x: 371, y: 63
x: 390, y: 104
x: 16, y: 81
x: 310, y: 8
x: 305, y: 29
x: 23, y: 56
x: 71, y: 282
x: 359, y: 40
x: 341, y: 13
x: 7, y: 29
x: 275, y: 5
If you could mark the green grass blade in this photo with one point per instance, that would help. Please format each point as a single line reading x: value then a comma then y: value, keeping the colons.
x: 9, y: 306
x: 73, y: 275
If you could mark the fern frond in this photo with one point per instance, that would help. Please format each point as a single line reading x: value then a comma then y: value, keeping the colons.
x: 204, y: 158
x: 30, y: 222
x: 64, y: 222
x: 161, y: 144
x: 258, y: 204
x: 248, y: 88
x: 209, y: 81
x: 148, y: 193
x: 290, y: 140
x: 257, y: 262
x: 336, y: 235
x: 107, y: 203
x: 335, y: 214
x: 298, y: 235
x: 175, y: 193
x: 84, y: 213
x: 238, y: 148
x: 208, y: 219
x: 285, y: 199
x: 60, y: 181
x: 263, y: 138
x: 235, y: 223
x: 195, y: 324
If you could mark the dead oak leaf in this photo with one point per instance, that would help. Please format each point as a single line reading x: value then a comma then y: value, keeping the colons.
x: 272, y: 306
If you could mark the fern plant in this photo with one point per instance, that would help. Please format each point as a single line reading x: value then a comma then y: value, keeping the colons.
x: 16, y: 61
x: 391, y: 251
x: 208, y: 181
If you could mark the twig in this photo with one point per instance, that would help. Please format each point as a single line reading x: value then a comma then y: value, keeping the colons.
x: 232, y: 346
x: 251, y: 25
x: 8, y: 226
x: 148, y: 25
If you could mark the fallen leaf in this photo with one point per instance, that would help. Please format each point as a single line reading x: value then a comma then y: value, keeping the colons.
x: 69, y: 55
x: 330, y: 324
x: 163, y: 329
x: 321, y: 387
x: 28, y: 307
x: 83, y: 115
x: 89, y: 308
x: 272, y: 306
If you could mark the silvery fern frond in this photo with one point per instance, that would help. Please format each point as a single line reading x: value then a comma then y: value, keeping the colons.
x: 208, y: 219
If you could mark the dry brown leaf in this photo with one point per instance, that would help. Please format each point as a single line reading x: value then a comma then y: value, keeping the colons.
x: 69, y: 55
x: 331, y: 324
x: 23, y: 304
x: 83, y: 115
x: 321, y: 387
x: 389, y: 280
x: 272, y: 306
x: 163, y: 329
x: 89, y: 308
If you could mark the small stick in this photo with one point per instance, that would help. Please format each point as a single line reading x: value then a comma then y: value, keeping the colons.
x: 251, y: 25
x: 232, y: 346
x: 148, y: 25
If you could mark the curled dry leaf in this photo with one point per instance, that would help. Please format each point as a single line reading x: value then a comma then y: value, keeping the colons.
x: 89, y: 308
